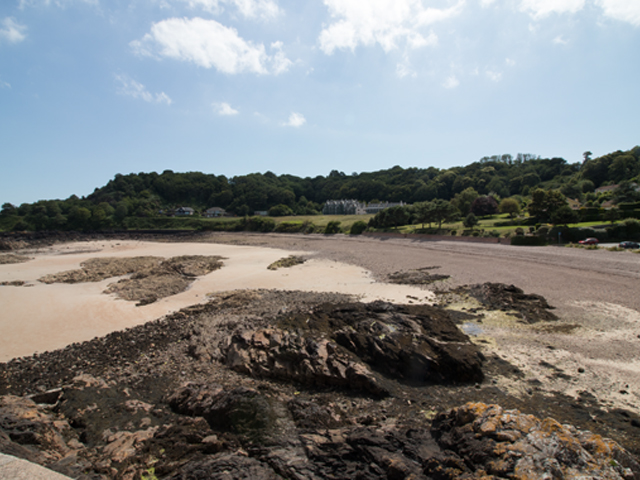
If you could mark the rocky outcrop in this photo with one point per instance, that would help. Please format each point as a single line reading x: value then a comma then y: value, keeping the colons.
x: 530, y: 308
x: 351, y: 344
x: 310, y: 360
x: 32, y: 432
x: 510, y: 444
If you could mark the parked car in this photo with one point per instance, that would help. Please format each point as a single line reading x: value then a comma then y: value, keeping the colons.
x: 633, y: 245
x: 589, y: 241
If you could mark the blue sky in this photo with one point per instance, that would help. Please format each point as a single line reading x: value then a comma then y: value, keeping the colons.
x: 91, y: 88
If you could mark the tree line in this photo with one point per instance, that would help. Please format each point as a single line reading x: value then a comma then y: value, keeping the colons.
x: 491, y: 179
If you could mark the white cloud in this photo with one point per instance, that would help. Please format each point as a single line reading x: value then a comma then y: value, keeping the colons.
x: 486, y: 3
x: 385, y: 22
x: 12, y: 31
x: 624, y: 10
x: 510, y: 62
x: 404, y: 68
x: 279, y: 62
x: 541, y: 8
x: 4, y: 84
x: 559, y: 40
x: 264, y: 9
x: 224, y: 109
x: 131, y: 88
x: 494, y: 76
x: 208, y: 44
x: 451, y: 82
x: 295, y: 120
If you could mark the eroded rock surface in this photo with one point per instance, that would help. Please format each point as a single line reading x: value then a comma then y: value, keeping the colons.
x: 276, y: 353
x: 509, y: 444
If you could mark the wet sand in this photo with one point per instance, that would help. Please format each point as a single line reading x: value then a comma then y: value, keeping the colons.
x: 40, y: 317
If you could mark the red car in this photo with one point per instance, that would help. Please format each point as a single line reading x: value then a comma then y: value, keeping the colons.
x: 589, y: 241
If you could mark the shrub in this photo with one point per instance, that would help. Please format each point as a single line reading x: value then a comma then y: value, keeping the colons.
x: 333, y: 227
x: 542, y: 231
x: 289, y: 227
x: 280, y: 211
x: 454, y: 233
x: 257, y: 224
x: 358, y: 227
x: 530, y: 241
x: 519, y: 232
x: 308, y: 227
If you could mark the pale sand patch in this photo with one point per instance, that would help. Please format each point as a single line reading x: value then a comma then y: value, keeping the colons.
x: 47, y: 317
x: 600, y: 357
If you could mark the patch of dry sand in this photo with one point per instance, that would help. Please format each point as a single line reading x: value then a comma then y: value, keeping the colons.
x: 46, y: 317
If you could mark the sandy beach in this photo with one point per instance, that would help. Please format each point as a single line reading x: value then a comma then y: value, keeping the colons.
x: 595, y: 345
x: 552, y: 332
x: 41, y: 317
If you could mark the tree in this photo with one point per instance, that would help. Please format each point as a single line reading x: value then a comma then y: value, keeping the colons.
x: 470, y: 221
x: 463, y: 200
x: 443, y: 211
x: 280, y: 211
x: 564, y: 215
x: 544, y: 203
x: 612, y: 215
x: 510, y: 206
x: 484, y: 206
x: 626, y: 192
x: 7, y: 210
x: 397, y: 216
x: 424, y: 213
x: 79, y: 217
x: 587, y: 156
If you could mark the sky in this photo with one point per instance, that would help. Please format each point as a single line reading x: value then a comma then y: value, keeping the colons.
x: 92, y: 88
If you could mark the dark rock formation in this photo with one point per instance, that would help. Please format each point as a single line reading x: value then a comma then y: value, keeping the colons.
x: 509, y: 444
x: 275, y: 353
x: 497, y: 296
x: 240, y: 410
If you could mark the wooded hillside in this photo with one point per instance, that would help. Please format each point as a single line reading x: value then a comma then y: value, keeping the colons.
x: 156, y: 194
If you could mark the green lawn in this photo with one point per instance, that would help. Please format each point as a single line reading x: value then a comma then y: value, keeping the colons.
x: 322, y: 220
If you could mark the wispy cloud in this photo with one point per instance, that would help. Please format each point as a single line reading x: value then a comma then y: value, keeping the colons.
x: 224, y: 109
x: 384, y: 22
x: 4, y: 84
x: 560, y: 40
x: 295, y: 120
x: 493, y: 75
x: 542, y: 8
x: 405, y: 69
x: 129, y: 87
x: 210, y: 44
x: 12, y: 31
x: 262, y: 9
x: 451, y: 82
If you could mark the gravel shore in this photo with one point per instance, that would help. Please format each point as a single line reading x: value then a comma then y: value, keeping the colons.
x: 595, y: 348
